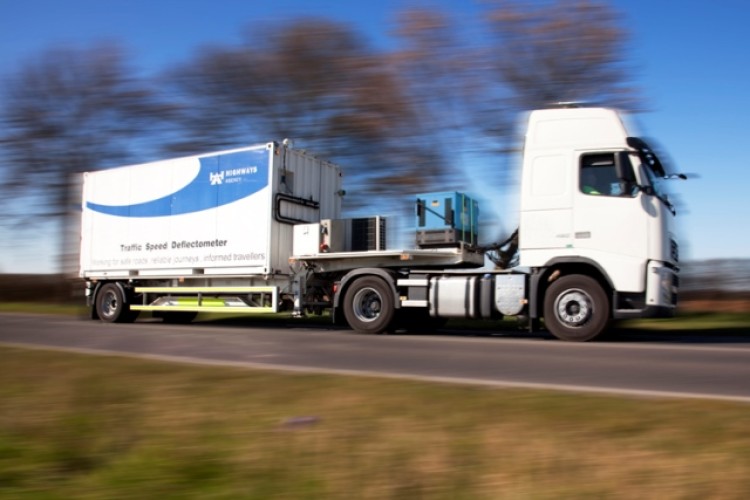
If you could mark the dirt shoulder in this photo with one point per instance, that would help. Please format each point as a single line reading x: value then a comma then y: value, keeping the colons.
x: 714, y: 301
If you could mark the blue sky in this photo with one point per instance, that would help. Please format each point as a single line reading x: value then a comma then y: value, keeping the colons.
x: 690, y: 57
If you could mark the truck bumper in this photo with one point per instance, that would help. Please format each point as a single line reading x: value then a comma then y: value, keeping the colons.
x: 658, y: 312
x: 661, y: 285
x: 647, y: 312
x: 659, y: 299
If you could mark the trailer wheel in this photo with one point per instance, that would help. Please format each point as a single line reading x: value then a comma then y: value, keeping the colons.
x: 576, y: 308
x: 368, y: 305
x: 111, y: 306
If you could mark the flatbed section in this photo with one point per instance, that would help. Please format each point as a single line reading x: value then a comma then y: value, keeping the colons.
x: 413, y: 258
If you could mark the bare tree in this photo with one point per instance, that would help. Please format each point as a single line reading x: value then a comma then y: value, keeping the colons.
x: 68, y: 111
x: 469, y: 84
x: 449, y: 80
x: 316, y: 81
x: 399, y: 122
x: 444, y: 74
x: 561, y: 51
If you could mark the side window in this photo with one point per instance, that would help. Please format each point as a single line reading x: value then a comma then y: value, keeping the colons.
x: 599, y: 176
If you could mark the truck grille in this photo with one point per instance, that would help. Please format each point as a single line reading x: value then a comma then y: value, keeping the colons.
x: 674, y: 250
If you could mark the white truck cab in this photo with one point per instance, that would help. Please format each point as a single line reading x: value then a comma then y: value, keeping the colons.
x: 592, y: 210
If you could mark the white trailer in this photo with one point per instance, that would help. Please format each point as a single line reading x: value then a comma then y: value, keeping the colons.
x: 212, y: 233
x: 227, y: 213
x: 259, y: 229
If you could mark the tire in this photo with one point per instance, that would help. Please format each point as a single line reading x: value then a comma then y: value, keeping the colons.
x: 111, y: 306
x: 576, y: 308
x: 369, y: 305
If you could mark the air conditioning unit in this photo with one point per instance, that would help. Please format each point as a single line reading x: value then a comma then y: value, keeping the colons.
x: 367, y: 234
x: 340, y: 235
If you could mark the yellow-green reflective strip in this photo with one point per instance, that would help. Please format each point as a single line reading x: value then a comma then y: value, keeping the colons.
x: 213, y: 309
x: 202, y: 289
x: 193, y: 301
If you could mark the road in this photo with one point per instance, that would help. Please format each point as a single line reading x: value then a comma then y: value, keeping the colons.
x: 675, y: 366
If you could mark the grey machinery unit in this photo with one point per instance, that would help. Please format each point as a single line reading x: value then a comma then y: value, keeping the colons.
x: 446, y: 219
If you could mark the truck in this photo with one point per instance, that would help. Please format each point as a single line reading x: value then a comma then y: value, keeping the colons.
x: 260, y: 230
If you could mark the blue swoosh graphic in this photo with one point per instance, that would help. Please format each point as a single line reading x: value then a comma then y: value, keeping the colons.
x: 221, y: 179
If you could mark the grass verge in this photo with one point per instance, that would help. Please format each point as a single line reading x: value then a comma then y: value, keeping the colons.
x: 74, y: 426
x: 692, y: 321
x: 43, y: 308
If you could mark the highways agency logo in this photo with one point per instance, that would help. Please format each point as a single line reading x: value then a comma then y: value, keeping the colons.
x: 216, y: 178
x: 231, y: 175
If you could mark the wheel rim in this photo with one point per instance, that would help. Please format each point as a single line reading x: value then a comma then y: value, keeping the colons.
x: 574, y: 307
x: 109, y: 304
x: 367, y: 304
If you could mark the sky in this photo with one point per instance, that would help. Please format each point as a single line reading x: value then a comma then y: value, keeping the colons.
x: 691, y: 58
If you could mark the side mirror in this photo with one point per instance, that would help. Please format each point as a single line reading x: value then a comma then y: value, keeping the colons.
x: 647, y: 190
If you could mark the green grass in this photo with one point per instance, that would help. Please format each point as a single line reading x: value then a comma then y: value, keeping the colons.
x: 73, y: 426
x: 42, y: 308
x: 692, y: 321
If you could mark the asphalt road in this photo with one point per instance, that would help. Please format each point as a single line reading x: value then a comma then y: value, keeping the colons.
x: 667, y: 366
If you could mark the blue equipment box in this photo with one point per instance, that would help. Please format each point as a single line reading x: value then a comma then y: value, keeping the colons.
x: 446, y: 219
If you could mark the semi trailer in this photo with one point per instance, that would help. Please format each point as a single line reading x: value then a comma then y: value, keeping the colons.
x: 260, y: 230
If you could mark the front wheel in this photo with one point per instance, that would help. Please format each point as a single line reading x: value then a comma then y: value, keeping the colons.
x: 369, y: 305
x: 576, y: 308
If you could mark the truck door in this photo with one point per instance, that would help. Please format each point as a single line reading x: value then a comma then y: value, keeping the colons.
x: 610, y: 223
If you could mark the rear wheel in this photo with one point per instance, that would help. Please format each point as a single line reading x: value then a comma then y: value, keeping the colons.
x: 369, y: 305
x: 576, y: 308
x: 111, y: 306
